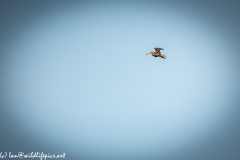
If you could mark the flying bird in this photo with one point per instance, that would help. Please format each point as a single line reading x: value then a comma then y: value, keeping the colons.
x: 157, y: 53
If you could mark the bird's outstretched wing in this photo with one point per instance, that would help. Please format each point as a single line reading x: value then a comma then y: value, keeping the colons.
x: 157, y: 49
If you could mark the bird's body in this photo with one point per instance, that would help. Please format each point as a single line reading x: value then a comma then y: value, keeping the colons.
x: 158, y: 53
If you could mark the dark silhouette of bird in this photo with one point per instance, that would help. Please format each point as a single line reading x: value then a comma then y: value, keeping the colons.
x: 157, y: 53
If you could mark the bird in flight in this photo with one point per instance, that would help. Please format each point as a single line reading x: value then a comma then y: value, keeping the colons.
x: 157, y: 53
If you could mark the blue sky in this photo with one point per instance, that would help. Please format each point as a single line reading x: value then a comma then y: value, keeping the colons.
x: 78, y: 79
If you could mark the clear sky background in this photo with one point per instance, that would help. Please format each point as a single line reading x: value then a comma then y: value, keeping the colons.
x: 76, y: 79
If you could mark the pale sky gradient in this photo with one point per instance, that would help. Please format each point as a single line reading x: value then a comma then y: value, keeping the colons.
x: 78, y: 80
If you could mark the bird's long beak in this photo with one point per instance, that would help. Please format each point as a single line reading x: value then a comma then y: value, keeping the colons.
x: 148, y: 53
